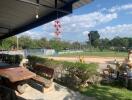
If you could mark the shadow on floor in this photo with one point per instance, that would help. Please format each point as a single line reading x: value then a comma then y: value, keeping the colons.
x: 70, y: 94
x: 77, y: 96
x: 35, y: 85
x: 20, y: 98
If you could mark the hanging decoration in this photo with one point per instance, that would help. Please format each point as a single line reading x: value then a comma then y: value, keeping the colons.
x: 57, y: 26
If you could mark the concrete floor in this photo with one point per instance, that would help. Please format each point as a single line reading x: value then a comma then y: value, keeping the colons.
x: 57, y: 92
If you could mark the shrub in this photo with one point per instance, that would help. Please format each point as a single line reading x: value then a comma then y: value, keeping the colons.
x: 72, y: 74
x: 80, y: 73
x: 33, y: 60
x: 11, y: 59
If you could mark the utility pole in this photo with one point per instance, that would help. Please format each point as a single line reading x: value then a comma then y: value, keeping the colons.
x: 89, y: 35
x: 17, y: 43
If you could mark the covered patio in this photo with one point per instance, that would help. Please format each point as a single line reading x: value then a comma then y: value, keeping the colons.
x: 17, y: 16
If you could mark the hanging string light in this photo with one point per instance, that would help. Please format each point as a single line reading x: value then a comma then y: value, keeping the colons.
x: 37, y: 10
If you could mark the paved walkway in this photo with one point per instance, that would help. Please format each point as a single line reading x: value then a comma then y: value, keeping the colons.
x: 57, y: 93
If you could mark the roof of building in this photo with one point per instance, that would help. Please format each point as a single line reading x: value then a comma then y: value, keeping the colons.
x: 17, y: 16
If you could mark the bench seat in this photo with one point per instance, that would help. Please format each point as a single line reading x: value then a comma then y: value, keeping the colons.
x: 43, y: 81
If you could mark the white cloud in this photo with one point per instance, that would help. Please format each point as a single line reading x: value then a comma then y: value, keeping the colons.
x: 32, y: 34
x: 79, y: 23
x: 124, y: 30
x: 119, y: 8
x: 52, y: 34
x: 85, y: 33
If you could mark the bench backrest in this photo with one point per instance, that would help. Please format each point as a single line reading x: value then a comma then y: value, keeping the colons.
x: 47, y: 72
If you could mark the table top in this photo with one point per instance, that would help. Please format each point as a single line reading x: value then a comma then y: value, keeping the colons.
x: 16, y: 74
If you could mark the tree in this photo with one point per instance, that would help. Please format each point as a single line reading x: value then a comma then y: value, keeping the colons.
x: 104, y: 43
x: 56, y: 44
x: 94, y: 38
x: 43, y: 43
x: 120, y: 42
x: 76, y: 45
x: 25, y: 42
x: 8, y: 43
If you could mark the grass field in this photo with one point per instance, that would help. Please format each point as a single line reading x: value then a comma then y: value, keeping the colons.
x: 102, y: 92
x: 100, y: 54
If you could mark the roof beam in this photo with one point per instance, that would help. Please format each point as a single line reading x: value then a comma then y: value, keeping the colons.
x: 63, y: 1
x: 4, y: 28
x: 43, y: 5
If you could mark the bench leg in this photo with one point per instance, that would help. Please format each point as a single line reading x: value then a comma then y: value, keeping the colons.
x: 48, y: 89
x: 21, y: 86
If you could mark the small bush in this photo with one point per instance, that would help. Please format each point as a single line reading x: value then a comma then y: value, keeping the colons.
x: 11, y: 59
x: 81, y: 73
x: 72, y: 74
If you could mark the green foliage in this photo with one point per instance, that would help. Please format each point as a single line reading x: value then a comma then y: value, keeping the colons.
x: 96, y: 53
x: 56, y: 44
x: 94, y: 38
x: 72, y: 74
x: 104, y: 44
x: 25, y: 42
x: 120, y: 42
x: 76, y: 45
x: 102, y: 92
x: 8, y: 43
x: 80, y: 72
x: 11, y: 59
x: 33, y: 60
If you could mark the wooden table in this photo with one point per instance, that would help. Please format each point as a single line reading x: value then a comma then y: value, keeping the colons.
x: 16, y: 74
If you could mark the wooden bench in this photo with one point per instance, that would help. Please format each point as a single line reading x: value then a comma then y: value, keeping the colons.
x: 44, y: 75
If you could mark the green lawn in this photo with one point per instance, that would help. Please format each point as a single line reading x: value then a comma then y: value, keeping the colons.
x: 100, y: 54
x: 102, y: 92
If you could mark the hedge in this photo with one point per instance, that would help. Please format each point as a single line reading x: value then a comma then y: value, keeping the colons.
x: 11, y: 59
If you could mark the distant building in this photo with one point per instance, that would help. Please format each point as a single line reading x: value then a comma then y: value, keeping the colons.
x: 40, y: 52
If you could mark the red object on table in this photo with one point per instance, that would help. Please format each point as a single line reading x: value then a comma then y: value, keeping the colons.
x: 16, y: 74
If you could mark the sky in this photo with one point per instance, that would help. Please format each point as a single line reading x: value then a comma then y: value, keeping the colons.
x: 110, y: 18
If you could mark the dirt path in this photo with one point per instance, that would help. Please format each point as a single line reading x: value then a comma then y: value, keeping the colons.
x: 104, y: 60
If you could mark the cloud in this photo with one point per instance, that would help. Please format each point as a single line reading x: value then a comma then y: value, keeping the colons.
x: 85, y: 33
x: 119, y: 8
x: 76, y: 25
x: 124, y: 30
x: 79, y: 23
x: 32, y: 34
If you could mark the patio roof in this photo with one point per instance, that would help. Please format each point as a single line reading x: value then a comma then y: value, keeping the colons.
x: 17, y: 16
